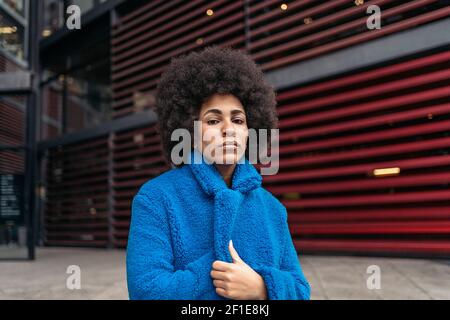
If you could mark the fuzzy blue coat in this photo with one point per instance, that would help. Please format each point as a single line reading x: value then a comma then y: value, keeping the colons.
x: 183, y: 220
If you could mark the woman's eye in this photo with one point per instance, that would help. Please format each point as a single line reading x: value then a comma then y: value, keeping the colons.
x: 239, y: 121
x: 212, y: 122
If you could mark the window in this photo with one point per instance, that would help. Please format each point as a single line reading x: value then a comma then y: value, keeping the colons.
x: 18, y: 6
x: 12, y: 36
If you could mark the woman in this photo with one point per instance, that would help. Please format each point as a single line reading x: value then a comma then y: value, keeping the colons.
x: 209, y: 230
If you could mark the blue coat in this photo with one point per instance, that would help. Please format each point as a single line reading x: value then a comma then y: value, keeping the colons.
x: 183, y: 220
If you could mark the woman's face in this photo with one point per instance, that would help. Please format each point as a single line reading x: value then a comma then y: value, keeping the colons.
x: 224, y: 129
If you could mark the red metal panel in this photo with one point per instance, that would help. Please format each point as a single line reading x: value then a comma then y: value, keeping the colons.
x: 385, y: 228
x: 137, y: 157
x: 12, y: 127
x: 175, y: 28
x: 333, y: 8
x: 355, y: 79
x: 7, y: 64
x: 404, y: 247
x: 12, y: 162
x: 362, y: 169
x: 353, y: 215
x: 367, y: 153
x: 357, y: 26
x: 335, y: 133
x: 370, y: 199
x: 76, y: 204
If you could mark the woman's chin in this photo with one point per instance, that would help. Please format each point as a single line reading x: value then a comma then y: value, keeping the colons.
x: 227, y: 157
x: 231, y: 158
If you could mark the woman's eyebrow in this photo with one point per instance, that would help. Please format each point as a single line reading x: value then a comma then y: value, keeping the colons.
x: 235, y: 111
x: 217, y: 111
x: 213, y: 111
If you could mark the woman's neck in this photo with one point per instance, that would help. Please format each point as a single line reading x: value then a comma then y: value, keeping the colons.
x: 226, y: 170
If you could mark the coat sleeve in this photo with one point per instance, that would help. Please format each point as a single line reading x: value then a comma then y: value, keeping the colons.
x: 287, y: 282
x: 149, y: 260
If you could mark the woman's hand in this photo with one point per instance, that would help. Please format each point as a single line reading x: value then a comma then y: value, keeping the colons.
x: 237, y: 280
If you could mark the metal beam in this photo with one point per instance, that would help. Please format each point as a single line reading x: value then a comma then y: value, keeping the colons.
x: 15, y: 82
x: 87, y: 18
x: 13, y: 103
x: 137, y: 120
x: 32, y: 128
x: 398, y: 45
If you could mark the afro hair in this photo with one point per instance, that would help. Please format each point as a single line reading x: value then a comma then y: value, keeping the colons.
x: 191, y: 79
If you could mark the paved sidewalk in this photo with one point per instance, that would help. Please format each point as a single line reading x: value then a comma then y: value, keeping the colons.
x: 331, y: 277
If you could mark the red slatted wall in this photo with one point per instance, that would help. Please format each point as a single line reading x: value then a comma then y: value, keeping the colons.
x: 52, y: 102
x: 335, y: 133
x: 90, y: 186
x: 12, y: 126
x: 77, y: 202
x: 311, y: 28
x: 144, y: 41
x: 137, y: 158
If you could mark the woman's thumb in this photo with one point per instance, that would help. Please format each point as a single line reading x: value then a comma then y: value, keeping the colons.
x: 233, y: 253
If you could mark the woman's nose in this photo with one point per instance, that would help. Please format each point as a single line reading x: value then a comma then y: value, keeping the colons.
x: 228, y: 128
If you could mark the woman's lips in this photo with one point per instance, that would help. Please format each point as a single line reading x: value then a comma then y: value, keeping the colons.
x: 230, y: 145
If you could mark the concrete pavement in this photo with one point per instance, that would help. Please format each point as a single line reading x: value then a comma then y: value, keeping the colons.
x: 331, y: 277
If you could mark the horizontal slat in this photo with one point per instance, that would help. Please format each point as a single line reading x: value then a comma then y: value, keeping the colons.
x: 138, y: 151
x: 87, y: 217
x: 78, y: 234
x: 327, y: 216
x: 370, y: 246
x: 429, y: 179
x: 356, y: 200
x: 127, y: 175
x: 83, y: 243
x: 141, y: 162
x: 78, y: 226
x: 392, y: 227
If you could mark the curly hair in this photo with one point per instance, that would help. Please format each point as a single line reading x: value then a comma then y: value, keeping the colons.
x: 192, y: 78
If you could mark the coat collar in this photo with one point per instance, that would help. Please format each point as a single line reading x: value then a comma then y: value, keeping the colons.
x: 245, y: 177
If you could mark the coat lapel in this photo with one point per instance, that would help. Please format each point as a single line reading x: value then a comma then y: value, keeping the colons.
x: 227, y: 201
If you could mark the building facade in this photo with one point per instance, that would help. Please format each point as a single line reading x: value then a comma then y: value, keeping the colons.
x: 14, y: 30
x: 363, y: 100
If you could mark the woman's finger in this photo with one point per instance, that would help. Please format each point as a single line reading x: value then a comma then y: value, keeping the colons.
x: 220, y: 284
x: 220, y: 265
x: 222, y: 292
x: 219, y: 275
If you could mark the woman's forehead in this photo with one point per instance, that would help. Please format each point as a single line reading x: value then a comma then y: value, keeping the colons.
x: 222, y: 104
